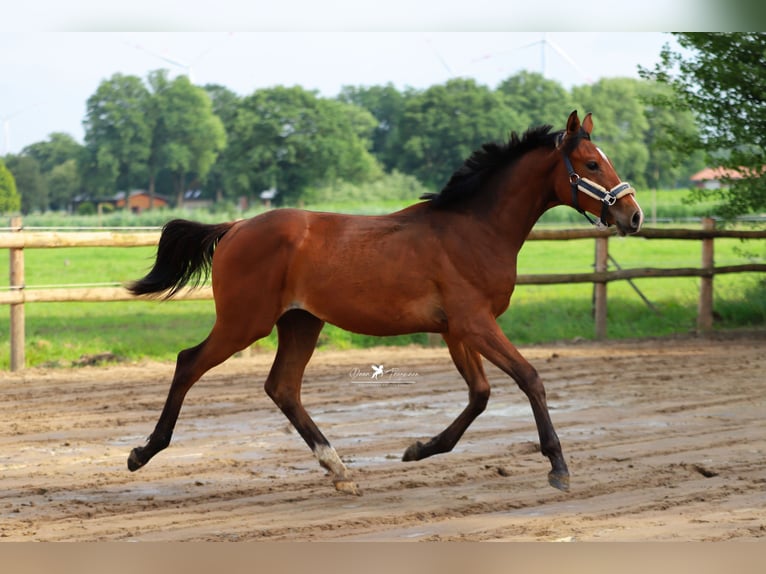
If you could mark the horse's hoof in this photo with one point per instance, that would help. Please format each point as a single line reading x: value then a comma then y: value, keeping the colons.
x: 134, y: 463
x: 347, y: 487
x: 559, y: 480
x: 413, y: 452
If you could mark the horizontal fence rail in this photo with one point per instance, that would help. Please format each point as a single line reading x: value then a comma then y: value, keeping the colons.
x: 636, y: 273
x: 89, y: 294
x: 20, y: 238
x: 16, y: 239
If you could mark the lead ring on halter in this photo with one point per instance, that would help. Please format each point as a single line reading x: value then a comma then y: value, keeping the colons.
x: 596, y: 191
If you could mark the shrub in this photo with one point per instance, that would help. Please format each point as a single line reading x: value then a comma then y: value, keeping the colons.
x: 86, y: 208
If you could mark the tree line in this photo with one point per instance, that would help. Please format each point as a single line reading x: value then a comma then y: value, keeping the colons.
x: 166, y: 135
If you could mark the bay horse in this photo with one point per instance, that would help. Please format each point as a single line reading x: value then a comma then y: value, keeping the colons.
x: 444, y: 265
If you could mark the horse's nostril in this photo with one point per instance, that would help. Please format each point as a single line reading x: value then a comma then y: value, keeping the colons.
x: 637, y: 219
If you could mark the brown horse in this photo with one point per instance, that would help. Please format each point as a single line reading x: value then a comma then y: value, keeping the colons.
x: 445, y: 265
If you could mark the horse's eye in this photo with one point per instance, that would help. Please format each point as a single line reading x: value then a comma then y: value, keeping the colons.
x: 592, y: 165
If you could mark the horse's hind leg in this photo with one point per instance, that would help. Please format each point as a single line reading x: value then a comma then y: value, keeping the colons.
x: 298, y: 332
x: 468, y: 363
x: 492, y: 344
x: 190, y: 366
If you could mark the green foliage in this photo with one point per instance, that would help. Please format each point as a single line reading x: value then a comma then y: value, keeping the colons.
x: 187, y: 136
x: 443, y: 125
x: 133, y: 132
x: 58, y: 149
x: 48, y: 173
x: 86, y: 208
x: 390, y: 187
x: 291, y: 139
x: 118, y: 135
x: 30, y: 183
x: 387, y: 105
x: 538, y: 100
x: 225, y: 105
x: 59, y: 161
x: 9, y: 197
x: 722, y: 78
x: 746, y: 308
x: 63, y: 184
x: 669, y: 165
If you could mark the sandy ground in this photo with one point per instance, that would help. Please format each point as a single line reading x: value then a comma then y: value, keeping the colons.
x: 665, y: 439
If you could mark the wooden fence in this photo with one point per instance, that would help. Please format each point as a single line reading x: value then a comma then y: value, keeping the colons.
x: 17, y: 239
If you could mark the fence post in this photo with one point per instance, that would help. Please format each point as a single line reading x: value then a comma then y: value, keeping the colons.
x: 705, y: 306
x: 18, y: 359
x: 599, y: 288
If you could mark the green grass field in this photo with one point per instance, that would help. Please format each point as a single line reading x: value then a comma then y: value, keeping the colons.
x: 60, y: 333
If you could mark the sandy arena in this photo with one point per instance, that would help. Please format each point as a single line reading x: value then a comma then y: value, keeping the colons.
x: 665, y: 440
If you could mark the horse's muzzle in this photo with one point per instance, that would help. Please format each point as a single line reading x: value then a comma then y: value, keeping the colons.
x: 631, y: 224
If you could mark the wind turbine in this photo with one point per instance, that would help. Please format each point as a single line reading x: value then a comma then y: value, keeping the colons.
x: 7, y: 127
x: 545, y: 44
x: 187, y: 68
x: 6, y: 134
x: 440, y: 57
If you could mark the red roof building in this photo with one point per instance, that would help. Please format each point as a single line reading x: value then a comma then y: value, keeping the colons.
x: 138, y: 201
x: 716, y: 177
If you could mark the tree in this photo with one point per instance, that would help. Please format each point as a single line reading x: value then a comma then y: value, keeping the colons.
x: 118, y: 132
x: 443, y: 125
x: 351, y: 159
x: 33, y: 188
x: 59, y: 160
x: 225, y: 106
x: 387, y: 105
x: 187, y: 135
x: 290, y: 139
x: 63, y: 184
x: 59, y: 148
x: 667, y: 166
x: 537, y: 100
x: 721, y: 77
x: 9, y: 197
x: 621, y: 124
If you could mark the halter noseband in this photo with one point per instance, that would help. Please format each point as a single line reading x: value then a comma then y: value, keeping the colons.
x: 596, y: 191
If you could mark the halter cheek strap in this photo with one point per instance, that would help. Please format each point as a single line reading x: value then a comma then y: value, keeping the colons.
x: 596, y: 191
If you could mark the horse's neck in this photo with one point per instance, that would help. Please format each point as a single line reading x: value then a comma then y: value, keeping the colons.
x: 522, y: 195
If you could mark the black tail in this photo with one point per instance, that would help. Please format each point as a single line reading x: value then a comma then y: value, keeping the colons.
x: 184, y: 255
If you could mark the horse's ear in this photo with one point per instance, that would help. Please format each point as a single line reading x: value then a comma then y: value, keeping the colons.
x: 587, y: 123
x: 573, y: 124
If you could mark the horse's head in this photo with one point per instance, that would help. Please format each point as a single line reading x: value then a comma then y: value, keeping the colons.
x: 588, y: 181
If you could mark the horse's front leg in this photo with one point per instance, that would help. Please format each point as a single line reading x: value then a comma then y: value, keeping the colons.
x: 490, y: 341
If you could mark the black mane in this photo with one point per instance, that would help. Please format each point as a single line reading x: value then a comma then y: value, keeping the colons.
x: 482, y: 163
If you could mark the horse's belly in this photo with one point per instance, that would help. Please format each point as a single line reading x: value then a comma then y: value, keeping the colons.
x: 377, y: 312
